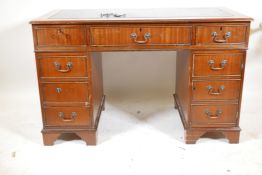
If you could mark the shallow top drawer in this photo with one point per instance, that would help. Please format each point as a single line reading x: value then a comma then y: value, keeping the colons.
x: 63, y: 37
x: 152, y: 35
x: 221, y: 34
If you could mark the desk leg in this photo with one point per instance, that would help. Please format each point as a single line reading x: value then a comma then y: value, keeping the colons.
x: 192, y: 136
x: 49, y: 138
x: 88, y: 136
x: 232, y: 136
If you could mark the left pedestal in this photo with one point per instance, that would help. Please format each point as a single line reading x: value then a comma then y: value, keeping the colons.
x: 70, y: 82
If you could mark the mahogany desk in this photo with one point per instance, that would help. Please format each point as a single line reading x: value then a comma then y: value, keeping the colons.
x: 211, y: 46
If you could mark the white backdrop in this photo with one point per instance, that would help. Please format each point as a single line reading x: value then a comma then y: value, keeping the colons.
x: 17, y: 65
x: 136, y: 135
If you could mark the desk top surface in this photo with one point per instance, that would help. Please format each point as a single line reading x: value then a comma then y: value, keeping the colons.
x: 141, y: 15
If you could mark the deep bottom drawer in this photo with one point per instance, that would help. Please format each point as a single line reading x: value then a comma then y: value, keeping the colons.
x: 220, y: 115
x: 67, y: 116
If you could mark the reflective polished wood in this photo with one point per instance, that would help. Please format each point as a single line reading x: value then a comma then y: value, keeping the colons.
x: 211, y: 46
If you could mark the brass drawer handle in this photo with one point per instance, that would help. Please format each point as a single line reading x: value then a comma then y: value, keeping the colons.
x: 73, y: 115
x: 147, y: 36
x: 68, y: 66
x: 216, y: 40
x: 211, y: 64
x: 215, y: 115
x: 58, y: 90
x: 211, y: 91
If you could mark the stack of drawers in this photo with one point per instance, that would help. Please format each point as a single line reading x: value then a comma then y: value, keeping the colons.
x: 214, y: 82
x: 65, y: 82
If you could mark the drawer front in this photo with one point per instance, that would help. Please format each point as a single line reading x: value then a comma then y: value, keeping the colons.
x: 224, y: 115
x: 124, y: 36
x: 62, y: 66
x: 216, y: 90
x: 67, y: 116
x: 221, y: 34
x: 65, y: 92
x: 65, y: 37
x: 218, y: 64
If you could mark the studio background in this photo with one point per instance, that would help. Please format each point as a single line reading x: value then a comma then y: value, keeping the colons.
x: 129, y: 78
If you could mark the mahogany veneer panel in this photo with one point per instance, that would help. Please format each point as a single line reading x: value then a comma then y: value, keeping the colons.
x: 161, y: 35
x: 97, y: 85
x: 183, y: 91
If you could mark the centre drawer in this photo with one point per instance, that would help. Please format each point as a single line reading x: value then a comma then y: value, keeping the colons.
x: 219, y: 115
x: 144, y: 35
x: 65, y: 92
x: 218, y: 64
x: 216, y: 90
x: 67, y: 116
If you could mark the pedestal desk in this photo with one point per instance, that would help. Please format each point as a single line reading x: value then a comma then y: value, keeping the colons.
x: 211, y: 46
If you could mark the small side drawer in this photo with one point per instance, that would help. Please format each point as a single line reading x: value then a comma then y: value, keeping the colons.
x: 220, y: 115
x: 62, y: 66
x: 216, y: 90
x: 218, y: 64
x: 62, y: 37
x: 67, y: 116
x: 221, y: 34
x: 65, y: 92
x: 144, y: 35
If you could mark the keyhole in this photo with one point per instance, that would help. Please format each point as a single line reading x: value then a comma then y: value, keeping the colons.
x: 220, y: 28
x: 140, y: 29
